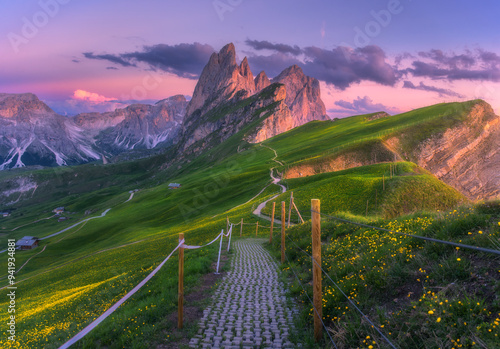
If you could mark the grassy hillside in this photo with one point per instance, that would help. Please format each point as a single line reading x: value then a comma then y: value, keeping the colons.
x: 370, y: 190
x: 419, y: 294
x: 320, y: 138
x: 85, y: 269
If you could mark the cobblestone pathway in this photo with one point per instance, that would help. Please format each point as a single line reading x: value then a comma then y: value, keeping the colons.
x: 249, y: 307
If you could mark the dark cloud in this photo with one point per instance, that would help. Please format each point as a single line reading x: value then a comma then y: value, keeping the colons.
x: 111, y: 68
x: 403, y: 56
x: 343, y: 66
x: 436, y: 64
x: 75, y: 61
x: 361, y: 105
x: 489, y: 58
x: 340, y: 66
x: 273, y: 64
x: 281, y: 48
x: 184, y: 60
x: 441, y: 91
x: 109, y: 57
x: 465, y: 60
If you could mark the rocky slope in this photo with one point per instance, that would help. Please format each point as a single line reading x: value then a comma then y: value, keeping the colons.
x: 219, y: 81
x: 33, y: 134
x: 303, y: 96
x: 467, y: 156
x: 461, y: 148
x: 227, y: 91
x: 139, y: 126
x: 261, y: 81
x: 261, y: 116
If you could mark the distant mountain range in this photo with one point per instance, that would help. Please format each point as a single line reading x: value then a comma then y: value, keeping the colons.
x: 33, y: 134
x: 225, y: 100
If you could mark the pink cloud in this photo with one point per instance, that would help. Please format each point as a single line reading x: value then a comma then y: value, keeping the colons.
x: 90, y: 97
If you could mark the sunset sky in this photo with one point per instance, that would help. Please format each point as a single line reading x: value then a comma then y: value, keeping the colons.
x: 368, y: 55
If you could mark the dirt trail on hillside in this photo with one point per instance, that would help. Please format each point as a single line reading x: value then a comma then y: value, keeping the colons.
x: 276, y: 180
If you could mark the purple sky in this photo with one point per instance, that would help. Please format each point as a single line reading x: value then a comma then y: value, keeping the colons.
x: 391, y: 55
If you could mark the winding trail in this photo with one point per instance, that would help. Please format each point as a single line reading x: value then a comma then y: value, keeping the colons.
x: 71, y: 227
x: 22, y: 266
x: 74, y: 225
x: 275, y: 154
x: 249, y: 308
x: 275, y: 180
x: 131, y: 195
x: 39, y: 220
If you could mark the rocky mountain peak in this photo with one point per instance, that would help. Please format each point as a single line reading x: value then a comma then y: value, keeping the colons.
x: 303, y: 95
x: 33, y: 134
x: 22, y: 105
x: 245, y: 69
x: 261, y: 81
x: 220, y: 80
x: 228, y: 52
x: 293, y: 69
x: 295, y: 100
x: 173, y: 99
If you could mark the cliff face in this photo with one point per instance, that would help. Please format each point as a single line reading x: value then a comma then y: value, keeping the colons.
x: 303, y: 96
x: 467, y: 156
x: 224, y: 88
x: 139, y: 126
x: 33, y: 134
x: 219, y: 81
x: 228, y: 119
x: 261, y: 81
x: 276, y: 119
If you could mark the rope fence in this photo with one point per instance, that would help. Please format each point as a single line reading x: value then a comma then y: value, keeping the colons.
x: 310, y: 300
x: 455, y: 244
x: 343, y: 293
x: 315, y: 258
x: 180, y: 247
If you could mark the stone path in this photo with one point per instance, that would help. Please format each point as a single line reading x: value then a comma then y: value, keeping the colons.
x: 249, y: 308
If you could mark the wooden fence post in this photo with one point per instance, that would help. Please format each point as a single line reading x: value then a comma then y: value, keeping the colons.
x: 300, y: 216
x: 257, y: 229
x: 272, y: 224
x: 316, y: 254
x: 180, y: 299
x: 227, y: 224
x: 283, y: 222
x: 241, y: 228
x: 290, y: 209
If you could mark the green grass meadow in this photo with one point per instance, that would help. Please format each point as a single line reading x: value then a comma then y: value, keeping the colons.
x: 421, y: 295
